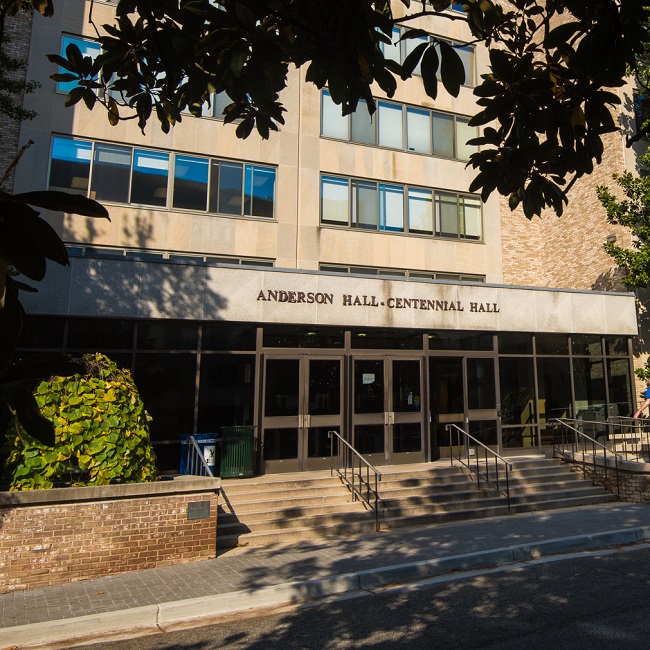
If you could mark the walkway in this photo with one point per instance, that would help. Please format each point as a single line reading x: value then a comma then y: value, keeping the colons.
x: 248, y: 578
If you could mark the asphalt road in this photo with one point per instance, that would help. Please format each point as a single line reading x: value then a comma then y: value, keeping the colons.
x: 587, y: 602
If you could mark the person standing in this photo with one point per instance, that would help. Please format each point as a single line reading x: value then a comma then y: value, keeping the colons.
x: 647, y: 400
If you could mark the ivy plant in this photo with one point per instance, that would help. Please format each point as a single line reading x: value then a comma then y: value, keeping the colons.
x: 101, y: 432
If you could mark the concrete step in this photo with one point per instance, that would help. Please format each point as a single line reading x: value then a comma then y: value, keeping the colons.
x: 231, y: 540
x: 271, y: 509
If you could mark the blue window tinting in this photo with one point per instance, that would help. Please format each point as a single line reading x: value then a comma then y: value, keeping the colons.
x: 149, y: 180
x: 142, y: 176
x: 86, y: 47
x: 70, y: 167
x: 190, y: 183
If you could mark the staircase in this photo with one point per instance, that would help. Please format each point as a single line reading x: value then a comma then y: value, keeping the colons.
x: 290, y: 507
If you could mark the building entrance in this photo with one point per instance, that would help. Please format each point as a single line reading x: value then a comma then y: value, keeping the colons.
x: 463, y: 392
x: 302, y: 399
x: 387, y: 409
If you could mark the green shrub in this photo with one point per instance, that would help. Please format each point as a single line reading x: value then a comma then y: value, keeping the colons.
x: 101, y: 430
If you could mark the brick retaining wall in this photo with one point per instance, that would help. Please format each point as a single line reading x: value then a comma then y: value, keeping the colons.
x: 633, y: 479
x: 61, y: 535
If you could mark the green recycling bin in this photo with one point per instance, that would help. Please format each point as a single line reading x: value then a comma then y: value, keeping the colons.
x: 237, y: 451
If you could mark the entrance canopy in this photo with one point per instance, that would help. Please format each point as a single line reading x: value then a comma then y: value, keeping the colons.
x: 138, y: 289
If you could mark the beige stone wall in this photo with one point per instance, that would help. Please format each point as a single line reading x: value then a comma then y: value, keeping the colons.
x: 62, y: 535
x: 294, y: 239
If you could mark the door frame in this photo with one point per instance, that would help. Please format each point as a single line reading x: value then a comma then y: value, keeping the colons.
x: 302, y: 420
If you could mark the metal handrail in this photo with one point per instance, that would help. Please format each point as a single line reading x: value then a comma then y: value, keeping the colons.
x: 357, y: 484
x: 496, y: 483
x: 575, y: 445
x: 196, y: 465
x: 637, y: 449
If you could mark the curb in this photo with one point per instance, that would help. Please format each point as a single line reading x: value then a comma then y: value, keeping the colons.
x: 156, y: 618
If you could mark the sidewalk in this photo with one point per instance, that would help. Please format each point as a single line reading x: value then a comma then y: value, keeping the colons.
x: 257, y: 578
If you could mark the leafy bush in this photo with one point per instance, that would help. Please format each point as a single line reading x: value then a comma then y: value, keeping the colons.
x: 101, y: 432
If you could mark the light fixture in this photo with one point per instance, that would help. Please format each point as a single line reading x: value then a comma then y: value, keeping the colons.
x: 312, y: 333
x: 611, y: 238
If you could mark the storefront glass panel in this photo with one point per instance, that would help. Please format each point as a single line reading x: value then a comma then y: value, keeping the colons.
x: 282, y: 387
x: 445, y: 340
x: 551, y: 344
x: 517, y: 381
x: 369, y: 438
x: 554, y: 399
x: 369, y: 386
x: 227, y: 393
x: 620, y: 389
x: 480, y: 384
x: 280, y: 444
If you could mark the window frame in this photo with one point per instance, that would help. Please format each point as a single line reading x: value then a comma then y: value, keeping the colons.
x: 406, y: 109
x: 352, y: 223
x: 171, y: 177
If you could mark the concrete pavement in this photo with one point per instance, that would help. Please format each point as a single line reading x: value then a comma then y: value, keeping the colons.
x: 250, y: 579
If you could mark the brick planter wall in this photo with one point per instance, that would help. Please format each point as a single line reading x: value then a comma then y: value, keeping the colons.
x: 633, y: 479
x: 61, y: 535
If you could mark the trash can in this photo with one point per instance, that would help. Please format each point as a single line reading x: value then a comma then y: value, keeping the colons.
x: 207, y: 443
x: 237, y: 451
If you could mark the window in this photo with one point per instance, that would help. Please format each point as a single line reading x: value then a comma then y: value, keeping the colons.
x: 112, y: 173
x: 398, y: 50
x: 70, y: 165
x: 368, y: 205
x: 190, y: 182
x: 400, y: 127
x: 86, y: 47
x: 400, y: 273
x: 160, y: 179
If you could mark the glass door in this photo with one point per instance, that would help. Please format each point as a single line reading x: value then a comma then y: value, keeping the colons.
x: 387, y: 416
x: 302, y: 400
x: 446, y: 400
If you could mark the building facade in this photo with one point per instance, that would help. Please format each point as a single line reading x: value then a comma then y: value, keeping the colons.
x: 338, y: 275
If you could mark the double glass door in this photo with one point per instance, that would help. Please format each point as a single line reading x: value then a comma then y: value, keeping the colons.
x: 302, y: 400
x: 462, y: 392
x: 387, y: 410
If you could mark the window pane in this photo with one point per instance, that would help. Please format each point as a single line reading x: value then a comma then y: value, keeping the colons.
x: 219, y: 102
x: 418, y: 130
x: 365, y: 212
x: 466, y: 54
x: 227, y: 394
x: 517, y: 390
x: 409, y: 45
x: 589, y: 383
x: 111, y: 173
x: 464, y: 132
x: 443, y: 135
x: 226, y: 187
x: 333, y: 124
x: 392, y: 51
x: 620, y: 391
x: 446, y: 215
x: 390, y: 125
x: 362, y: 128
x: 70, y: 168
x: 190, y: 183
x: 334, y: 201
x: 150, y: 171
x: 260, y: 190
x: 551, y: 344
x: 471, y: 207
x: 391, y: 208
x: 87, y: 48
x: 480, y: 384
x: 420, y: 211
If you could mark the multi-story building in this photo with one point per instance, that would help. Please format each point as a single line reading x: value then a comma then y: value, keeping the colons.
x: 338, y: 275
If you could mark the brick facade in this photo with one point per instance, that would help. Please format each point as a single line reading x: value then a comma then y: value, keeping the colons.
x: 49, y: 537
x: 18, y: 29
x: 632, y: 482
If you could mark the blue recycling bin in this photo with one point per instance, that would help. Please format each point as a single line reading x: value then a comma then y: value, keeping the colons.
x: 207, y: 443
